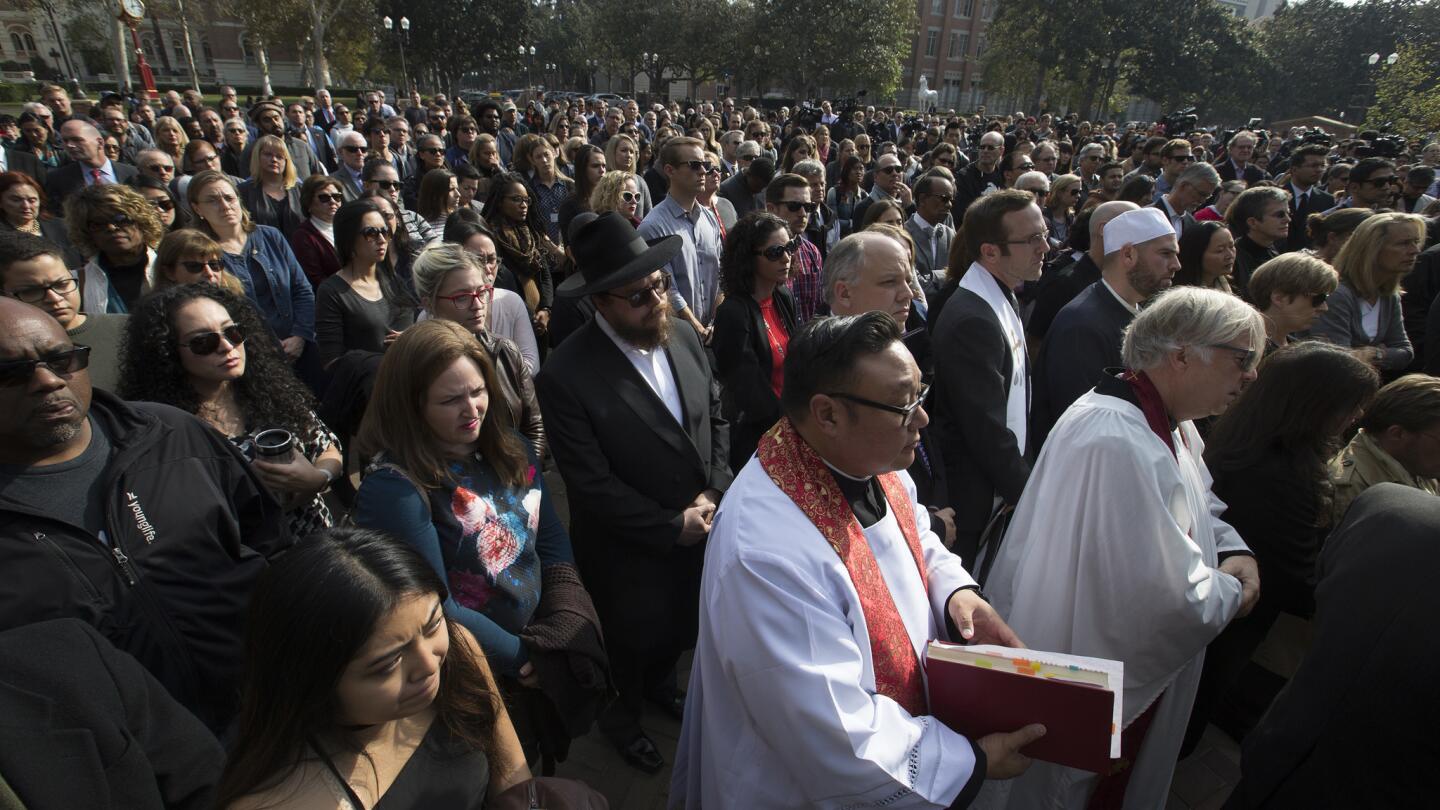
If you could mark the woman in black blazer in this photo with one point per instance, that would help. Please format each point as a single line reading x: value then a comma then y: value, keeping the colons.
x: 753, y: 326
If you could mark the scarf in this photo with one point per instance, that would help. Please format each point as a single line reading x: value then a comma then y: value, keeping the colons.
x: 522, y: 252
x: 804, y: 478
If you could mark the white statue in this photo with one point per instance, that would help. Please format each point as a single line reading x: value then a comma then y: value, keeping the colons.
x: 929, y: 99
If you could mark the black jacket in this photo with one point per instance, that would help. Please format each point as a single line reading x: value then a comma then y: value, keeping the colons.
x: 189, y: 529
x: 1355, y: 725
x: 86, y: 726
x: 1083, y: 341
x: 66, y: 180
x: 1317, y: 202
x: 1421, y: 287
x: 742, y: 357
x: 973, y: 372
x: 970, y: 186
x: 631, y: 470
x: 1058, y: 290
x: 1249, y: 255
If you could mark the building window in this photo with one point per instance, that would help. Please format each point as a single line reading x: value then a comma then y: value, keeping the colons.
x: 205, y: 49
x: 22, y: 43
x: 932, y: 41
x: 16, y: 44
x: 178, y: 44
x: 964, y: 8
x: 247, y: 49
x: 937, y: 7
x: 987, y: 9
x: 954, y: 45
x: 980, y: 44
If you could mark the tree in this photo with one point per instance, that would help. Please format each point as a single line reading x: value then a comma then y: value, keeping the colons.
x: 1407, y: 94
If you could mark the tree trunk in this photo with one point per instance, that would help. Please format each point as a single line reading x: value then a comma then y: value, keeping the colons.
x: 189, y: 51
x: 1040, y: 69
x: 122, y: 59
x: 317, y: 38
x: 1087, y: 101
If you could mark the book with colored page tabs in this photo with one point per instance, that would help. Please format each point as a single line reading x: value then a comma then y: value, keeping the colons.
x: 984, y: 689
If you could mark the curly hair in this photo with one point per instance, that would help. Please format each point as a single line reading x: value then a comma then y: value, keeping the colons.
x: 269, y: 393
x: 737, y: 263
x: 606, y: 196
x: 109, y: 201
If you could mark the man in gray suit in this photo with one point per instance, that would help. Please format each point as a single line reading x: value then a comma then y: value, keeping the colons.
x: 353, y: 150
x: 933, y: 196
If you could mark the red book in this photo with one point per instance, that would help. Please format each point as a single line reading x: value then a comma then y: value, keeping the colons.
x: 986, y: 689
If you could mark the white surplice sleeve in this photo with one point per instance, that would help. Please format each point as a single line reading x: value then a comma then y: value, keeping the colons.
x: 944, y: 569
x: 800, y: 674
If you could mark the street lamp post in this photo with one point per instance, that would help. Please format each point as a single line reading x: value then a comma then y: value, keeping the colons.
x: 401, y: 34
x: 1373, y: 60
x: 590, y: 65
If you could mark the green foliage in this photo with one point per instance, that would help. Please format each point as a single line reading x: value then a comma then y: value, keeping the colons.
x: 843, y: 45
x: 1407, y: 94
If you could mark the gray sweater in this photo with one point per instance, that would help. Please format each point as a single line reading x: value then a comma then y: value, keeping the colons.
x: 1341, y: 325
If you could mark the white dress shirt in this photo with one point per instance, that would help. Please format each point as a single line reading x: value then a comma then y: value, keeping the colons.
x: 1017, y: 404
x: 653, y: 365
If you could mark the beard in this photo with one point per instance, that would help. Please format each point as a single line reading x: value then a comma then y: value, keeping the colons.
x: 1149, y: 284
x: 650, y: 334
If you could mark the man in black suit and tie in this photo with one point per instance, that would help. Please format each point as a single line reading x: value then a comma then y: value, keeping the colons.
x: 1192, y: 188
x: 981, y: 400
x: 25, y: 163
x: 634, y: 420
x: 1306, y: 197
x: 88, y: 164
x: 1237, y: 165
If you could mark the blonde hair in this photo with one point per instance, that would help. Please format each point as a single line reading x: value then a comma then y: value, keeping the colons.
x: 168, y: 122
x: 271, y: 142
x: 606, y: 196
x: 611, y: 147
x: 1359, y: 261
x: 1059, y: 187
x: 109, y: 200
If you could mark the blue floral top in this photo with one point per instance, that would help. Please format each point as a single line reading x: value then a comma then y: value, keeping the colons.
x: 488, y: 540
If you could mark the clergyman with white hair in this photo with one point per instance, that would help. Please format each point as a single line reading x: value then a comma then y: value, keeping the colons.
x: 1117, y: 549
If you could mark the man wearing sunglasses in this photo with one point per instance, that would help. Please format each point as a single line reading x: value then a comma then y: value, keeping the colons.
x: 269, y: 119
x: 695, y: 268
x: 137, y: 518
x: 822, y: 579
x: 788, y: 197
x: 981, y: 177
x: 351, y: 171
x: 33, y: 270
x: 1373, y: 184
x: 1175, y: 157
x: 1260, y: 220
x: 634, y: 420
x: 889, y: 177
x: 927, y: 226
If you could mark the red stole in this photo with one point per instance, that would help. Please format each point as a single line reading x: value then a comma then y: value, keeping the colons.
x: 804, y: 478
x: 1151, y: 405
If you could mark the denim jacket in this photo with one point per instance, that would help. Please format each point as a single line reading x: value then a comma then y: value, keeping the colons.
x: 288, y: 305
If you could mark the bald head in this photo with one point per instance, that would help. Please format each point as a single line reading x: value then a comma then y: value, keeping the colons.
x: 1099, y: 218
x: 83, y: 142
x: 43, y: 416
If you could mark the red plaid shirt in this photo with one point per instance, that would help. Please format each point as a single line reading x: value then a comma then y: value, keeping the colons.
x: 805, y: 270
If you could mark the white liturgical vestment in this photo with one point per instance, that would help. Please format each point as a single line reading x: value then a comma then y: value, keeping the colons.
x: 1112, y: 553
x: 782, y: 709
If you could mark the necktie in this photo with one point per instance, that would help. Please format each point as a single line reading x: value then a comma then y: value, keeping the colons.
x: 99, y: 176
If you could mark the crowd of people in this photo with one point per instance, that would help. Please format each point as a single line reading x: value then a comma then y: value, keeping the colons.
x: 281, y: 381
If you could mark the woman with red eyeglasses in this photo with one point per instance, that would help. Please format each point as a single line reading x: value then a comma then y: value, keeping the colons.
x: 204, y: 350
x: 456, y: 282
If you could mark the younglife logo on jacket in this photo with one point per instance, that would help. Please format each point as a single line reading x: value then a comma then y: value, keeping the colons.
x: 141, y: 522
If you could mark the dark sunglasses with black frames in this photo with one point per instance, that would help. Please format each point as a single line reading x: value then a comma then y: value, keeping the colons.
x: 209, y: 342
x: 62, y: 364
x: 774, y: 252
x: 643, y: 296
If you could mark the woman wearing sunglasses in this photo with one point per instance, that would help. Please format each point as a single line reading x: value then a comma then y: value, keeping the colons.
x: 363, y: 306
x: 204, y: 350
x: 190, y: 257
x: 1060, y: 206
x: 1291, y: 293
x: 753, y: 326
x: 618, y: 191
x: 116, y: 227
x: 158, y: 194
x: 314, y: 240
x: 457, y: 283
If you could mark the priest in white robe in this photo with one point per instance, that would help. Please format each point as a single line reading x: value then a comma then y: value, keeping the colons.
x: 822, y: 585
x: 1117, y: 549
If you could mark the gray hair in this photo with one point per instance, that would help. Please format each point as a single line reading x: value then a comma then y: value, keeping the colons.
x: 1090, y: 147
x: 1032, y: 181
x: 1189, y: 316
x: 435, y: 263
x: 845, y: 261
x: 1197, y: 173
x: 809, y: 167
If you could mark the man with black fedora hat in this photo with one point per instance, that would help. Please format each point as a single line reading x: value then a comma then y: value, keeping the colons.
x: 633, y: 416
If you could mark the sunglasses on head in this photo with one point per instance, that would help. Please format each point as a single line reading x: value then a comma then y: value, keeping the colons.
x: 196, y: 268
x: 774, y: 252
x: 209, y: 342
x: 61, y: 364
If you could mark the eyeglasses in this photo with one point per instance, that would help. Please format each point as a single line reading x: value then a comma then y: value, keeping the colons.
x: 163, y: 204
x: 356, y: 149
x: 1025, y: 167
x: 1036, y: 240
x: 710, y: 168
x: 471, y: 298
x: 774, y: 252
x: 642, y: 297
x: 1244, y: 358
x: 116, y: 223
x: 375, y: 234
x: 432, y: 150
x: 197, y: 268
x: 161, y: 168
x: 487, y: 259
x: 629, y: 196
x: 793, y: 206
x: 61, y: 364
x: 1316, y: 299
x: 518, y: 199
x: 330, y: 198
x: 209, y: 342
x: 907, y: 412
x: 34, y: 295
x: 891, y: 169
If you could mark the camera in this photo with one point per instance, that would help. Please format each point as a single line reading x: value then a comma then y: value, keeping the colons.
x: 1178, y: 123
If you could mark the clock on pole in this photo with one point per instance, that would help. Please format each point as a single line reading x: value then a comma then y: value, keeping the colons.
x: 131, y: 12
